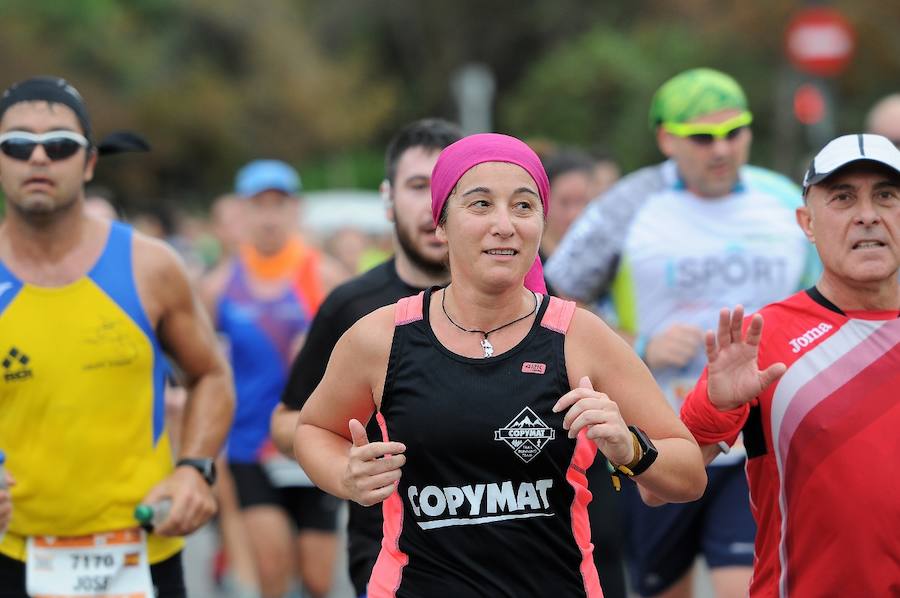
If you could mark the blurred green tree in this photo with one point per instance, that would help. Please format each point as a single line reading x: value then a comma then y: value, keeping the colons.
x: 322, y: 85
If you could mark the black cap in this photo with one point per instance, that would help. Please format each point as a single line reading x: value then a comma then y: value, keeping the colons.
x: 119, y: 142
x: 47, y: 89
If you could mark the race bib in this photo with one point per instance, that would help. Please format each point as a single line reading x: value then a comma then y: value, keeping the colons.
x: 111, y: 565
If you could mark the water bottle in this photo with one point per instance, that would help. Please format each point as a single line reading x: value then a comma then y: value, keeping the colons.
x: 151, y: 515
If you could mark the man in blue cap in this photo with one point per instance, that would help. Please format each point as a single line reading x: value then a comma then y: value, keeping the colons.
x: 262, y: 302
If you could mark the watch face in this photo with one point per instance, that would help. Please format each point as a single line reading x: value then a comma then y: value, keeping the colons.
x: 649, y: 451
x: 210, y: 471
x: 643, y: 439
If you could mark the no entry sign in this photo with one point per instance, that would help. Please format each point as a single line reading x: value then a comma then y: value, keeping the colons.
x: 820, y: 41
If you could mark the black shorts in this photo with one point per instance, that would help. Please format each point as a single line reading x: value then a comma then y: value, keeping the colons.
x: 308, y: 507
x: 167, y: 576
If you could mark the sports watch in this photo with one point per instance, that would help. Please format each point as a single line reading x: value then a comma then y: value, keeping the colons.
x: 206, y: 466
x: 644, y: 456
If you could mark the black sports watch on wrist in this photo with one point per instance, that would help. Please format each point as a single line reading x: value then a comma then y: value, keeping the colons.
x: 206, y: 466
x: 648, y: 454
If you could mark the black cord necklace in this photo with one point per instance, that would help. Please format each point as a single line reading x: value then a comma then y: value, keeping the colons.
x: 485, y: 343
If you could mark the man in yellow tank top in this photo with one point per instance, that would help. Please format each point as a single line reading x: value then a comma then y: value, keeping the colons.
x: 87, y: 309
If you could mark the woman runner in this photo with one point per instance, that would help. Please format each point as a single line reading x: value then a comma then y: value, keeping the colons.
x: 484, y: 391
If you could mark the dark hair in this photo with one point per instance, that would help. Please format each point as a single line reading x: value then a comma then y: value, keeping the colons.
x: 53, y: 90
x: 430, y: 133
x: 568, y: 160
x: 442, y: 217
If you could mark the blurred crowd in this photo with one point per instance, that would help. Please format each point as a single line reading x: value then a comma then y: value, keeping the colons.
x: 206, y: 239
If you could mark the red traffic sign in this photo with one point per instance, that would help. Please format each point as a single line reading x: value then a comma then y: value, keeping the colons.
x: 809, y: 104
x: 820, y: 41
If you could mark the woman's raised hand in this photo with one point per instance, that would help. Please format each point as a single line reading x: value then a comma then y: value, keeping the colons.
x: 600, y: 415
x: 374, y: 467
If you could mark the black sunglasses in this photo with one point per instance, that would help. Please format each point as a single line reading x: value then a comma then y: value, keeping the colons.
x: 58, y: 145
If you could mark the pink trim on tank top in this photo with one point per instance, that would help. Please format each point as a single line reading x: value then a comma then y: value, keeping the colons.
x: 388, y: 570
x: 558, y: 315
x: 582, y: 458
x: 409, y: 309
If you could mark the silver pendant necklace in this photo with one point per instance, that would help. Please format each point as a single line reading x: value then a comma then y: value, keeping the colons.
x: 486, y: 345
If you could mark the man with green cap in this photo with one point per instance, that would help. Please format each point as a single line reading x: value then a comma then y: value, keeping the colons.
x: 668, y: 246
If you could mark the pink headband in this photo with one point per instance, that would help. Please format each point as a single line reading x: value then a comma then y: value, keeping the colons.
x: 459, y: 157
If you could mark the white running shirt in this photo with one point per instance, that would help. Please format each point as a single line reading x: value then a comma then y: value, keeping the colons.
x: 664, y: 255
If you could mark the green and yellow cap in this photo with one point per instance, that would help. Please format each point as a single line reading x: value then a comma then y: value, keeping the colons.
x: 694, y: 93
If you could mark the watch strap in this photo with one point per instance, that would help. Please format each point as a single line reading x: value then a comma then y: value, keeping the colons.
x: 205, y: 466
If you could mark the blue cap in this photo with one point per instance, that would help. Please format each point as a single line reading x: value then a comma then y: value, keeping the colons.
x: 266, y: 175
x: 2, y: 461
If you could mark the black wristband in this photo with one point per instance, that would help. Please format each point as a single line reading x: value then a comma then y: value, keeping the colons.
x: 648, y: 454
x: 206, y: 466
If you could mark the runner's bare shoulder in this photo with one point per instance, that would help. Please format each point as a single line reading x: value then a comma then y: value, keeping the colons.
x: 372, y: 333
x: 160, y: 275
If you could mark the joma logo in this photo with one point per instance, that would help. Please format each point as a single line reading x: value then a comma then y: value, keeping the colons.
x: 807, y: 338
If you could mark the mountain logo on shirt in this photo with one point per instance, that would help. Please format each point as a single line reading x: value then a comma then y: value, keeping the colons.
x: 15, y: 365
x: 526, y: 434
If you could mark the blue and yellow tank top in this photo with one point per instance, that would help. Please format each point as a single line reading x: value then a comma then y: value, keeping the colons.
x: 81, y: 402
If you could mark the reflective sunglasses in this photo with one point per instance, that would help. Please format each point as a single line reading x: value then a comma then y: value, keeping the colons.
x: 58, y: 145
x: 706, y: 133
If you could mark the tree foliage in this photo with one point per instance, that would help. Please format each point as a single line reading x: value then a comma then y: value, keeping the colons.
x: 215, y: 83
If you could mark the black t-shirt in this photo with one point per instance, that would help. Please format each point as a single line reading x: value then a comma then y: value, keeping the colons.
x: 345, y: 305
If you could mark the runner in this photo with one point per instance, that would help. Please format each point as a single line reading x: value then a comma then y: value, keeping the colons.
x: 884, y: 118
x: 815, y: 390
x: 669, y: 243
x: 418, y: 262
x: 472, y: 370
x: 226, y: 223
x: 87, y: 308
x: 571, y: 174
x: 262, y: 302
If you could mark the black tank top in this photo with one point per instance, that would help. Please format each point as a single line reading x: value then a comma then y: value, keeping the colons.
x: 492, y: 499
